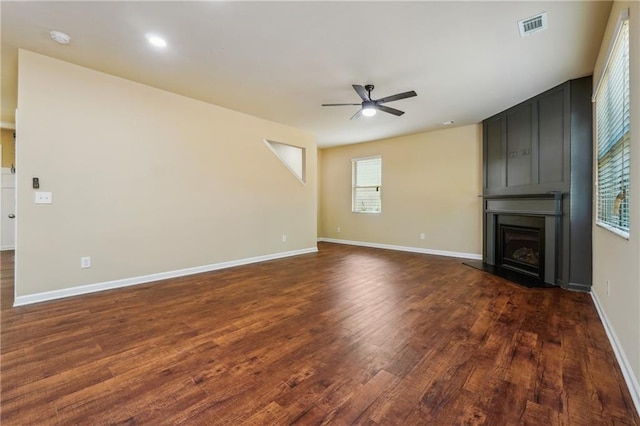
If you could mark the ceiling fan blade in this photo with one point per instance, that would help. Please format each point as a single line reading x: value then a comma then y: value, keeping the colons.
x: 397, y: 97
x: 338, y: 104
x: 390, y: 110
x: 362, y: 92
x: 357, y: 115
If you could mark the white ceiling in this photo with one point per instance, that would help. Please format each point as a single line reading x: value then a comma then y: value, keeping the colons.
x: 282, y: 60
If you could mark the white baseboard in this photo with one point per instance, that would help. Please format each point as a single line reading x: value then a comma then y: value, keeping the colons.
x: 5, y: 248
x: 126, y: 282
x: 404, y: 248
x: 623, y: 362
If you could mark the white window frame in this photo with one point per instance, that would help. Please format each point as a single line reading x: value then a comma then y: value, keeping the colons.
x: 612, y: 155
x: 355, y: 208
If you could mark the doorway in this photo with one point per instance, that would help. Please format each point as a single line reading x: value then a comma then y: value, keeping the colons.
x: 7, y: 188
x: 8, y: 210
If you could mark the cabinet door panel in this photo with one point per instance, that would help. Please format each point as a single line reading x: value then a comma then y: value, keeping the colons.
x: 494, y: 164
x: 519, y: 131
x: 551, y: 122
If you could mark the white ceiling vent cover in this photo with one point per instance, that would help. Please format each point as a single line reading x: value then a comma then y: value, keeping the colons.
x: 533, y: 25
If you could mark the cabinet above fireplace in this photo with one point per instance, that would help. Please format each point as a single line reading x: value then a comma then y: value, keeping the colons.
x: 527, y: 148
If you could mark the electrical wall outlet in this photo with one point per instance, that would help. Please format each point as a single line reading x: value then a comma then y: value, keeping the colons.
x: 338, y: 229
x: 85, y: 262
x: 44, y: 198
x: 422, y: 236
x: 284, y: 238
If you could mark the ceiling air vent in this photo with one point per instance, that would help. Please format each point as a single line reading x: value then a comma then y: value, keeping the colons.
x: 533, y: 25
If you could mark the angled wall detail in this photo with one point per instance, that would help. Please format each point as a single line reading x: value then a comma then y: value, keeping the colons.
x: 293, y: 157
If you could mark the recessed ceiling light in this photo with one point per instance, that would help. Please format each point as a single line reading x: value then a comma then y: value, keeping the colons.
x: 60, y: 37
x: 156, y: 40
x: 448, y: 123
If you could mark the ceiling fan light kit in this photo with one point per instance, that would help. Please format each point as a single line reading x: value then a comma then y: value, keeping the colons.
x: 369, y: 110
x: 370, y: 106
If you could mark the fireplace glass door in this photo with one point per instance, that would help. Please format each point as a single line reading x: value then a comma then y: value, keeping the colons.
x: 521, y: 245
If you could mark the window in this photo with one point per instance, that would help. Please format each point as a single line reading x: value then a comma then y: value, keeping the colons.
x: 612, y: 135
x: 366, y: 184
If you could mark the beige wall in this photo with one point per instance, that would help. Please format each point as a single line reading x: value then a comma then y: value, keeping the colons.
x: 145, y: 181
x: 430, y: 184
x: 8, y: 147
x: 616, y: 259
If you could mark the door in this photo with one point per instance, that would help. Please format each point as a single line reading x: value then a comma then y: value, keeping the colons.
x: 8, y: 210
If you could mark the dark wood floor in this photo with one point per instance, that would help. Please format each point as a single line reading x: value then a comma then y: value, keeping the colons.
x: 349, y: 335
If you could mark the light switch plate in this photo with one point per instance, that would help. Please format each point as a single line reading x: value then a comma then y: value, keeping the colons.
x: 44, y: 198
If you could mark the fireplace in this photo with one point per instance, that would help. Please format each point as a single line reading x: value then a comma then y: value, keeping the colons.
x: 523, y: 238
x: 520, y: 244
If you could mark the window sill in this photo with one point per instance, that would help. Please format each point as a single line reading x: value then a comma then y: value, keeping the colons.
x: 619, y: 233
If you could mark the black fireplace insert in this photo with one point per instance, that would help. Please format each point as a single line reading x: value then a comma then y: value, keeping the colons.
x: 520, y: 244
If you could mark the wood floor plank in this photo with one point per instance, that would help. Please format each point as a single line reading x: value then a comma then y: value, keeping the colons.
x: 348, y: 335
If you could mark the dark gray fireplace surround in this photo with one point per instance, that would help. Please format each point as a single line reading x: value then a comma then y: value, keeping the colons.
x: 546, y: 207
x: 537, y: 164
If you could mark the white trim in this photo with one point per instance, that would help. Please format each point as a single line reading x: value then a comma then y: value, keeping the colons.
x: 302, y: 179
x: 126, y: 282
x: 7, y: 125
x: 473, y: 256
x: 623, y: 362
x: 624, y: 16
x: 618, y: 232
x: 4, y: 248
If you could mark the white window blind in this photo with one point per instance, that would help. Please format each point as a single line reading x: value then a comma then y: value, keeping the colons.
x: 366, y: 184
x: 612, y: 133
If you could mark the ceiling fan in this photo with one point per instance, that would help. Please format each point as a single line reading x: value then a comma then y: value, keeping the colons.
x: 369, y: 106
